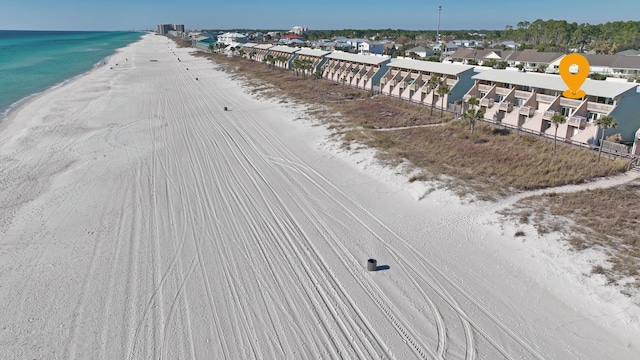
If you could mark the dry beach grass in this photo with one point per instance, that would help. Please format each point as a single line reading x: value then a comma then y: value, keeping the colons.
x: 489, y: 164
x: 492, y: 162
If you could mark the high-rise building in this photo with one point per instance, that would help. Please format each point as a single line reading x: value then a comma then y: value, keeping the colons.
x: 164, y: 29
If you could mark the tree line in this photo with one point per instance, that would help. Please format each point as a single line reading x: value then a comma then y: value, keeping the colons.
x: 544, y: 35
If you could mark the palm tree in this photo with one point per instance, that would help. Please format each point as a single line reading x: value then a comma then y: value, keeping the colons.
x: 473, y: 101
x: 557, y: 119
x: 605, y: 122
x: 442, y: 91
x: 433, y: 82
x: 472, y: 115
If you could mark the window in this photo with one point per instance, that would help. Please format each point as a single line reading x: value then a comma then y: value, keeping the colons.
x: 519, y: 102
x: 566, y: 111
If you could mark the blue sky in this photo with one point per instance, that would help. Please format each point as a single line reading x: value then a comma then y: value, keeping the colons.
x: 283, y: 14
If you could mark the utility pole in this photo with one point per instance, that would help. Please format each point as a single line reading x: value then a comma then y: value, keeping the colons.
x: 439, y: 11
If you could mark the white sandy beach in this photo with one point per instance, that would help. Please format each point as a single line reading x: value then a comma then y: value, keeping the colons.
x: 139, y: 220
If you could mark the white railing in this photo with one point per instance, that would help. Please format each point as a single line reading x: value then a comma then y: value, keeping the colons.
x: 502, y: 91
x: 484, y: 88
x: 548, y: 115
x: 570, y: 102
x: 577, y: 121
x: 506, y: 106
x: 545, y: 98
x: 601, y: 108
x: 527, y: 111
x: 488, y: 103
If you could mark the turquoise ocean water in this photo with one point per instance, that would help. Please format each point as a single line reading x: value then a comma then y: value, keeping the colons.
x: 32, y: 61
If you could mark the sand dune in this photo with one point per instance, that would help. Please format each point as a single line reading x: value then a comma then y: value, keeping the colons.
x: 140, y: 220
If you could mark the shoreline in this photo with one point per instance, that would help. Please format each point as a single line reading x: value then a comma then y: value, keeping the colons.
x: 5, y: 113
x: 129, y: 232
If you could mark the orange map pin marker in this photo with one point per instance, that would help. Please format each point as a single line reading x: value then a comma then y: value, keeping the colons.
x: 574, y: 80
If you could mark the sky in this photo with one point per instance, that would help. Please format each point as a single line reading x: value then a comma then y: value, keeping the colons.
x: 318, y: 15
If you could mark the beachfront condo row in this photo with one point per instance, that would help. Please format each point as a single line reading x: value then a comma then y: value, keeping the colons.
x: 523, y: 100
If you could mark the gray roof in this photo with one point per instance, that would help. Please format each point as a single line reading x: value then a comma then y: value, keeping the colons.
x: 608, y: 89
x: 476, y: 54
x: 364, y: 59
x: 630, y: 52
x: 626, y: 62
x: 284, y: 49
x: 600, y: 59
x: 313, y: 52
x: 535, y: 56
x: 430, y: 66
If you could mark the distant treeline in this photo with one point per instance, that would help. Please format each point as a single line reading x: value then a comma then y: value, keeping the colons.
x: 544, y: 35
x: 549, y: 35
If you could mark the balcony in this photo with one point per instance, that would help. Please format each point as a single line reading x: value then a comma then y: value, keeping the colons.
x: 577, y: 121
x: 522, y: 94
x: 383, y: 81
x: 548, y: 115
x: 527, y: 111
x: 452, y: 82
x: 488, y: 103
x: 426, y: 89
x: 365, y: 78
x: 571, y: 103
x: 502, y: 91
x: 506, y: 106
x: 484, y: 88
x: 413, y: 87
x: 547, y: 99
x: 393, y: 82
x: 599, y: 108
x: 402, y: 84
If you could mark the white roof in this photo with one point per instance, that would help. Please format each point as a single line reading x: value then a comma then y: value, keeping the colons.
x: 284, y: 49
x: 263, y: 46
x: 249, y: 45
x: 554, y: 82
x: 313, y: 52
x: 430, y: 66
x: 232, y: 35
x: 364, y: 59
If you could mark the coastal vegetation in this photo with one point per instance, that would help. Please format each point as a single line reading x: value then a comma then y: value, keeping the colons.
x: 491, y: 162
x: 543, y: 35
x: 477, y: 161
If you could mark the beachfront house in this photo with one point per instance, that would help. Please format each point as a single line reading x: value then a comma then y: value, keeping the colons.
x: 418, y: 81
x: 282, y: 56
x: 614, y: 65
x: 229, y: 38
x: 421, y: 51
x: 534, y: 60
x: 529, y: 100
x: 362, y: 71
x: 475, y: 56
x: 248, y: 50
x: 371, y: 47
x: 317, y: 58
x: 259, y: 52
